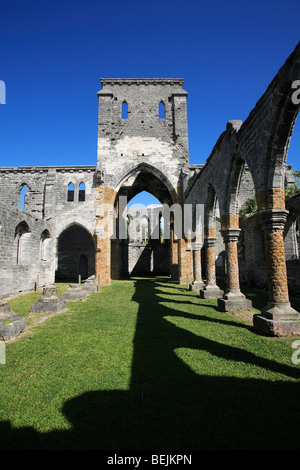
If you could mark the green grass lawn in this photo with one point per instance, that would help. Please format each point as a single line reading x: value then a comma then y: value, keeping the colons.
x: 146, y: 365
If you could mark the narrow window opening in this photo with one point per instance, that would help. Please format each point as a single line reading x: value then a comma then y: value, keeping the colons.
x: 144, y: 230
x: 23, y: 196
x: 81, y: 193
x: 161, y: 228
x: 70, y: 192
x: 124, y: 110
x: 161, y: 110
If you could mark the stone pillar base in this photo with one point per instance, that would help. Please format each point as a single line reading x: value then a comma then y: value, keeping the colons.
x: 73, y: 293
x: 90, y: 286
x: 210, y: 292
x: 196, y: 285
x: 280, y: 311
x: 49, y: 302
x: 14, y: 324
x: 232, y: 301
x: 269, y: 327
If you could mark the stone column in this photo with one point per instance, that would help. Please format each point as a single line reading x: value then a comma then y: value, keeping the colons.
x: 104, y: 203
x: 185, y: 269
x: 233, y: 299
x: 278, y: 317
x: 210, y: 290
x: 197, y: 281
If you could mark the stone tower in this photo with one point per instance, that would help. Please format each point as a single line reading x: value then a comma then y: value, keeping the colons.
x: 142, y: 121
x: 142, y: 146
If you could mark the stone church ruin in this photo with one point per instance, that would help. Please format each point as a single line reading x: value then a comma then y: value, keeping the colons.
x: 57, y: 222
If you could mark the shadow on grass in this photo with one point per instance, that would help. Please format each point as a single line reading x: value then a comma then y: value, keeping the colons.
x: 168, y: 406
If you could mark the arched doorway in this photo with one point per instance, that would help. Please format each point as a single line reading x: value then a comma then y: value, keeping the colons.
x: 142, y: 251
x: 75, y: 254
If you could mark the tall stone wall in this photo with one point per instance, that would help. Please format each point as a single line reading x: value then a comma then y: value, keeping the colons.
x: 27, y: 252
x: 46, y: 213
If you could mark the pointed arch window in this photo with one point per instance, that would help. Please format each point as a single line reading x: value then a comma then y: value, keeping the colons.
x: 161, y: 110
x: 124, y: 110
x: 70, y: 196
x: 23, y: 192
x: 45, y: 246
x: 23, y: 246
x: 81, y: 192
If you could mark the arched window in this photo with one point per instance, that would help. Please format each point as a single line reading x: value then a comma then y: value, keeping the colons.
x: 22, y: 239
x: 161, y: 228
x: 45, y: 246
x: 144, y: 230
x: 81, y: 193
x: 70, y: 192
x: 124, y: 110
x: 23, y: 196
x: 161, y: 110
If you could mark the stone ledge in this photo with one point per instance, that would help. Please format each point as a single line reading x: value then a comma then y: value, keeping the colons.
x: 276, y: 327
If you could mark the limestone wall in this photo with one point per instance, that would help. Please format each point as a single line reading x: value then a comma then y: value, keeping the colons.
x: 27, y: 252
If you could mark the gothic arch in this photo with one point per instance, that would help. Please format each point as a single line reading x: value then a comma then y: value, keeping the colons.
x: 163, y: 184
x: 73, y: 243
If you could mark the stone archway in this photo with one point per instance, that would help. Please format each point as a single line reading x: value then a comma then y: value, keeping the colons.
x: 75, y: 254
x: 131, y: 256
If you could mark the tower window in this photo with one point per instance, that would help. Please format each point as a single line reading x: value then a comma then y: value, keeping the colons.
x: 23, y: 196
x: 161, y: 110
x: 70, y: 192
x: 81, y: 193
x: 124, y: 110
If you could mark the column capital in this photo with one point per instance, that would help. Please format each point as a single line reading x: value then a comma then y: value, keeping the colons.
x: 231, y: 234
x: 209, y: 241
x: 272, y: 219
x: 196, y: 246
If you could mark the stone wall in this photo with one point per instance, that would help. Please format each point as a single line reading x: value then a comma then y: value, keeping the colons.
x: 29, y: 234
x: 145, y: 259
x: 27, y: 252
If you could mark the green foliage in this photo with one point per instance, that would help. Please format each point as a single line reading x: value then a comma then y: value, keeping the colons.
x: 291, y: 190
x: 248, y: 208
x: 297, y: 173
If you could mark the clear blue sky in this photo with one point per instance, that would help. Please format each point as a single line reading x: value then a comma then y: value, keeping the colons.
x: 53, y: 54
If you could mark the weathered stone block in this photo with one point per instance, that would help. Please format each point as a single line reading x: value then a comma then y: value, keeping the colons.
x: 269, y: 327
x: 73, y: 293
x: 90, y: 286
x: 230, y: 305
x: 16, y: 325
x: 210, y: 292
x: 13, y: 329
x: 196, y: 285
x: 49, y: 302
